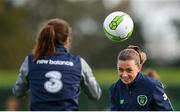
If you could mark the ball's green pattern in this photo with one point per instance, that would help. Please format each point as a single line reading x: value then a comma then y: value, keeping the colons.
x: 113, y: 37
x: 115, y: 22
x: 116, y: 38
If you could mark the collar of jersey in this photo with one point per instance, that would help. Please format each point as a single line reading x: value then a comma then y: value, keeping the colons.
x: 61, y: 48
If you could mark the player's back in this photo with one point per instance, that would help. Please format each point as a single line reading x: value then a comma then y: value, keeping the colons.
x: 55, y: 82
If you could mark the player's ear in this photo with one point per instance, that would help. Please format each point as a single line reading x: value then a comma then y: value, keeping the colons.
x: 139, y: 67
x: 67, y: 43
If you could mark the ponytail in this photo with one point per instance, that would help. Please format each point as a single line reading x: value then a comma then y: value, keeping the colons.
x: 45, y: 45
x: 54, y: 32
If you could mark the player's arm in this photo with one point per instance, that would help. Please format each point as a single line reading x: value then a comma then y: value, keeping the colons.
x: 114, y: 106
x: 21, y: 86
x: 160, y: 99
x: 89, y: 84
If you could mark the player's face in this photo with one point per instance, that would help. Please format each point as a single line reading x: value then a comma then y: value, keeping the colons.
x: 127, y: 70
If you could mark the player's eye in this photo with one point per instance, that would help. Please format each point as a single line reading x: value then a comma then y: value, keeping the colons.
x: 121, y: 70
x: 129, y: 70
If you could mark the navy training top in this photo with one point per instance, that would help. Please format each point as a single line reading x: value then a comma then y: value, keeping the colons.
x: 143, y: 94
x: 55, y: 83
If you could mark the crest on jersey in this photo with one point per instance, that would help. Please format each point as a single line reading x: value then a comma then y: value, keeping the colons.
x: 142, y: 100
x: 121, y: 101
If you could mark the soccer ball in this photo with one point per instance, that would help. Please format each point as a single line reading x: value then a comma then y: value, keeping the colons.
x: 118, y: 26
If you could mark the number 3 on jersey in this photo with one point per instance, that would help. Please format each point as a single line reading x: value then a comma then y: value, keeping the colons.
x: 54, y: 84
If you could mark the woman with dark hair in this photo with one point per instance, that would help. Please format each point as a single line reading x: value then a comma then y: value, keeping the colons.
x: 135, y: 91
x: 52, y: 74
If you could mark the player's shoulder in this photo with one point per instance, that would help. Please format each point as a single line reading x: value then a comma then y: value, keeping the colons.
x: 83, y: 61
x: 150, y: 81
x: 74, y: 56
x: 30, y: 56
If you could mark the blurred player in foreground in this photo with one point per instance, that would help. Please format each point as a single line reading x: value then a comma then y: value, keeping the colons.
x: 135, y: 91
x: 52, y: 74
x: 12, y: 104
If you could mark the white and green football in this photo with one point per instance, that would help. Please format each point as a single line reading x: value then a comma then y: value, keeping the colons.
x: 118, y: 26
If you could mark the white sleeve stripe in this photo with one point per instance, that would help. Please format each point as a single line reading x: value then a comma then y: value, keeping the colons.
x: 90, y: 85
x: 21, y: 85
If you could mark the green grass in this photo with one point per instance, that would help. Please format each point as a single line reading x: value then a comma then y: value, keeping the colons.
x: 8, y: 77
x: 169, y: 76
x: 106, y: 76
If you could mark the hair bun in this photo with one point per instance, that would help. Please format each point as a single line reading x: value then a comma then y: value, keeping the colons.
x: 136, y: 48
x: 142, y: 55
